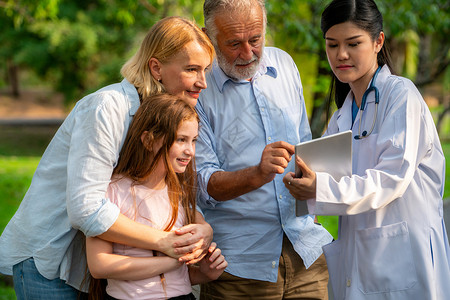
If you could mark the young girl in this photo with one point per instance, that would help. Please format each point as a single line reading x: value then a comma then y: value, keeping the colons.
x: 392, y: 238
x: 154, y: 184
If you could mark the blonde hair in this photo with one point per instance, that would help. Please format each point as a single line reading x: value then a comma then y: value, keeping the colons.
x: 164, y: 40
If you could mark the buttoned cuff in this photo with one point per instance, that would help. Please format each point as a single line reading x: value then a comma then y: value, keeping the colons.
x: 102, y: 220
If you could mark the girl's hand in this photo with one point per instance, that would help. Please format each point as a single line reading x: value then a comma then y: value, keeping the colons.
x: 302, y: 188
x: 214, y: 263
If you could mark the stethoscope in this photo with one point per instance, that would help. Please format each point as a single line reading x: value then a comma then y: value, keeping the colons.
x: 371, y: 88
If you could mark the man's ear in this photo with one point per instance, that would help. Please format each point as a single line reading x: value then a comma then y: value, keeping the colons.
x: 155, y: 68
x: 147, y: 140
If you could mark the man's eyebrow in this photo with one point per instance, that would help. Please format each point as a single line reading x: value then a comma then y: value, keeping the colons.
x: 239, y: 40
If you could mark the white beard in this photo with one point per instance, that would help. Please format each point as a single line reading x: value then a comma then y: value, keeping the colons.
x: 236, y: 72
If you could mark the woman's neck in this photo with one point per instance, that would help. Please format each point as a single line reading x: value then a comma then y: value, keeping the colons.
x: 360, y: 86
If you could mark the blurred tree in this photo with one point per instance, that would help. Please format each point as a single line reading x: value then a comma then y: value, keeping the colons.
x: 417, y: 32
x: 295, y: 27
x: 78, y: 46
x: 13, y: 36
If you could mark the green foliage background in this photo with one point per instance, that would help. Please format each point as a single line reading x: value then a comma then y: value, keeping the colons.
x: 76, y: 47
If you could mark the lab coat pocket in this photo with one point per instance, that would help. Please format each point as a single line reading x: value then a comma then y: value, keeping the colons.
x: 384, y: 259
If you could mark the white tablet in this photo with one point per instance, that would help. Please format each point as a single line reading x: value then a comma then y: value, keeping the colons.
x: 331, y: 154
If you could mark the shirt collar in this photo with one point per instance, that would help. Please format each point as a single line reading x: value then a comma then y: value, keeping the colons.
x: 132, y: 96
x: 266, y: 67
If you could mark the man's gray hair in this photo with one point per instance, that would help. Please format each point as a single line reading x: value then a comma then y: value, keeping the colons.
x: 212, y: 7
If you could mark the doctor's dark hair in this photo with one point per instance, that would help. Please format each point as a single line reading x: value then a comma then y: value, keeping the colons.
x: 365, y: 15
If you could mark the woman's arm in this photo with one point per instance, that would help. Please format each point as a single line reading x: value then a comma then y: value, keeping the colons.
x: 103, y: 263
x: 128, y: 232
x: 188, y: 242
x: 198, y: 237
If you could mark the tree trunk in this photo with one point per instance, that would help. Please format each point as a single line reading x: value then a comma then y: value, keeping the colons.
x: 13, y: 78
x: 320, y: 106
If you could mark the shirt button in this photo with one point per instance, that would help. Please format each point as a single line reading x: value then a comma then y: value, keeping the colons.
x: 349, y: 282
x: 282, y: 226
x: 281, y: 196
x: 269, y: 138
x: 274, y: 264
x: 262, y: 108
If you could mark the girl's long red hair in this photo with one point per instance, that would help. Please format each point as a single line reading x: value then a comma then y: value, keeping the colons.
x: 160, y: 115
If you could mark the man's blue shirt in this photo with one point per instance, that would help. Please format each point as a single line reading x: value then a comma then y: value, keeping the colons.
x: 238, y: 119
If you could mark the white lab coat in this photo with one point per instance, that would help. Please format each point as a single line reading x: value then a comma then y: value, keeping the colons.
x: 392, y: 240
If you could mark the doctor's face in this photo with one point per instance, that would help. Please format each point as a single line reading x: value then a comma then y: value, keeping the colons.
x: 352, y: 54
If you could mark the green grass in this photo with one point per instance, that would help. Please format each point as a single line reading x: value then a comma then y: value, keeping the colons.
x: 15, y: 177
x: 6, y: 292
x: 20, y: 152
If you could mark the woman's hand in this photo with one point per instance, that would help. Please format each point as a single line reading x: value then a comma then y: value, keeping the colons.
x: 302, y: 188
x: 194, y: 245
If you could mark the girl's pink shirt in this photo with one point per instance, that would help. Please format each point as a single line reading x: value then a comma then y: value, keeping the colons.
x: 153, y: 209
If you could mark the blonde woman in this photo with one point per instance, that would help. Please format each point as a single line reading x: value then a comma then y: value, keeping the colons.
x: 42, y: 246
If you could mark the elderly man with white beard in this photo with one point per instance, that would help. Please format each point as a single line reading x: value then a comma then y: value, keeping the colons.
x: 252, y: 113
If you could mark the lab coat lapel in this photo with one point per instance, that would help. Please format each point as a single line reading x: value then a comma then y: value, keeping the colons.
x: 344, y: 119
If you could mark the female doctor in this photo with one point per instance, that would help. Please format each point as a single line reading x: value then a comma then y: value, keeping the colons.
x: 392, y: 239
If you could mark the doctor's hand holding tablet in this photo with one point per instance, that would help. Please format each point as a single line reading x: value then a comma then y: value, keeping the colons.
x: 392, y: 240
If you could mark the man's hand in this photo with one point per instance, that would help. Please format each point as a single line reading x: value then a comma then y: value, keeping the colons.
x: 275, y: 159
x: 224, y: 186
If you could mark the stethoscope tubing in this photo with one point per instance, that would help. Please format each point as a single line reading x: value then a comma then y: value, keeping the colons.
x: 371, y: 88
